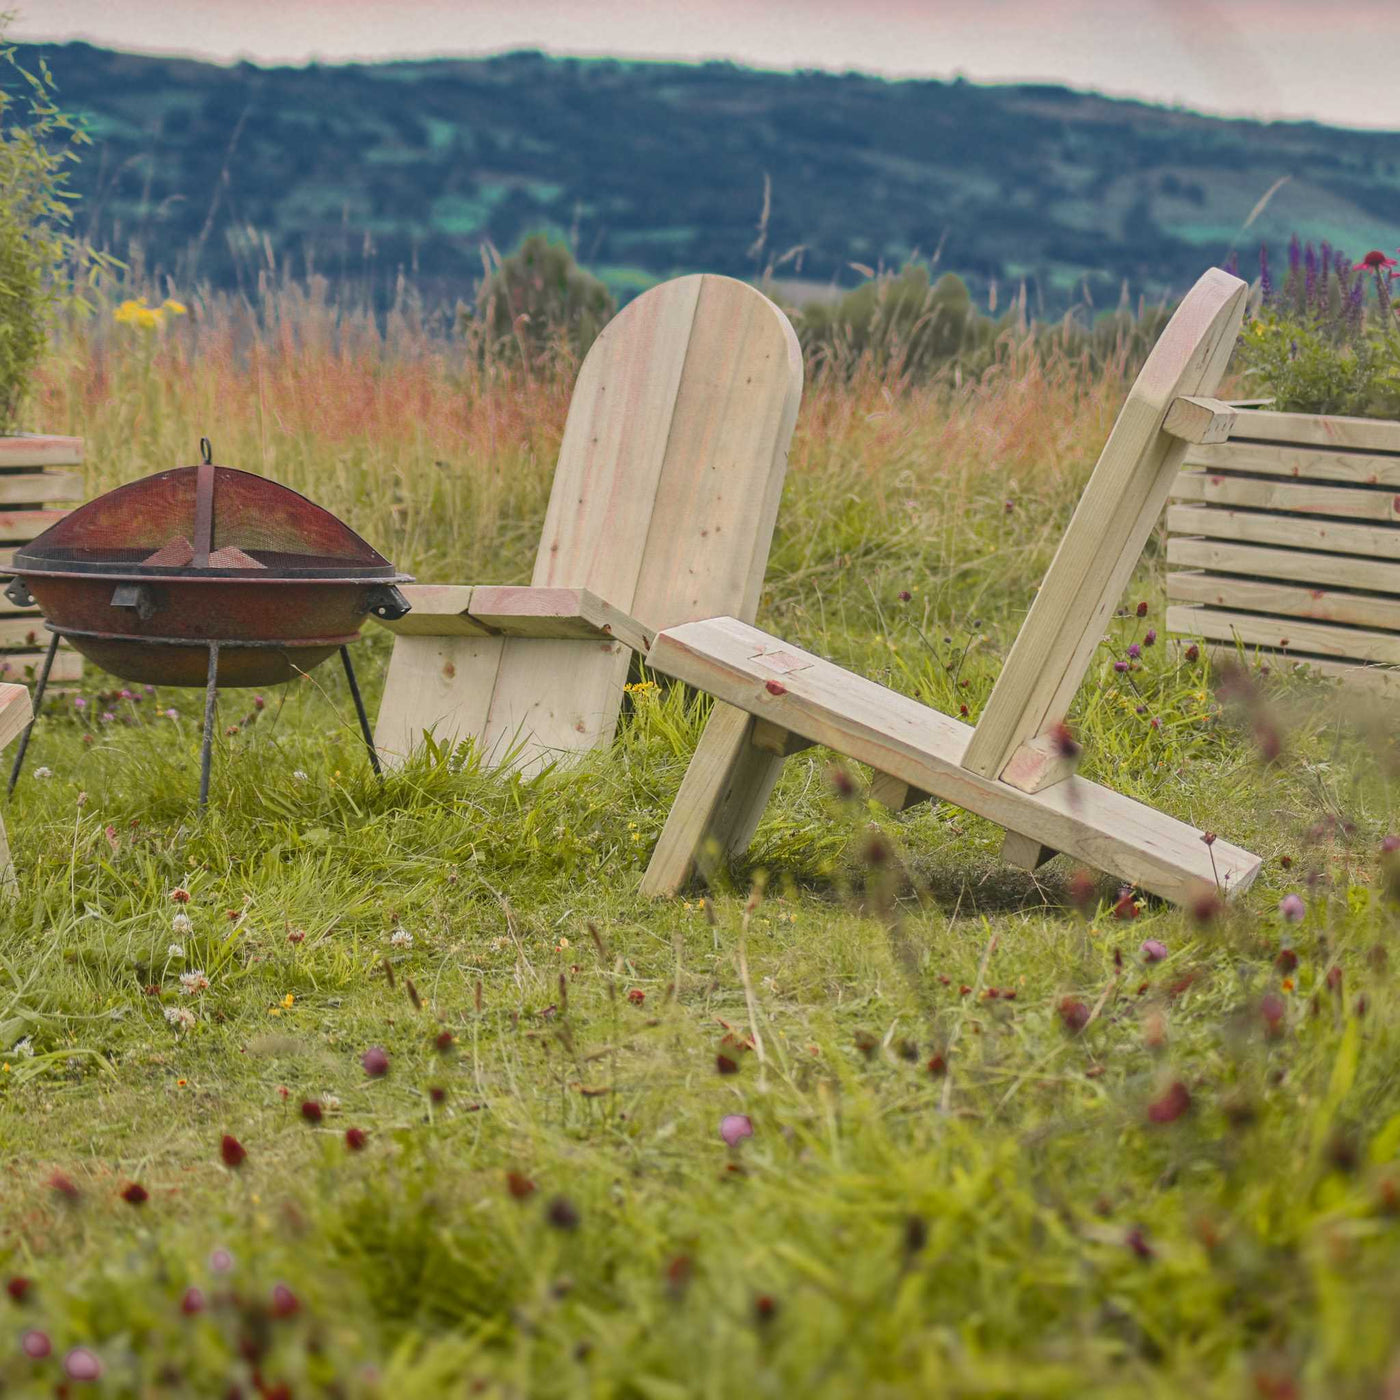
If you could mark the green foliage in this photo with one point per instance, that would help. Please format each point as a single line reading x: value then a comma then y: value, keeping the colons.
x: 538, y: 297
x: 37, y: 252
x: 1328, y: 342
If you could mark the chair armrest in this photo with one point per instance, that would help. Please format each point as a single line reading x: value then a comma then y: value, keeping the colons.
x: 16, y: 710
x: 1200, y: 420
x: 489, y: 610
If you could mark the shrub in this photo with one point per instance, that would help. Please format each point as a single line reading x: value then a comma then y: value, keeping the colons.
x: 1328, y: 339
x: 38, y: 256
x: 538, y: 297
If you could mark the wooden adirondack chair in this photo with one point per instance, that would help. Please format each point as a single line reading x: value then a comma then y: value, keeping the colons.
x: 662, y: 511
x: 775, y: 699
x: 16, y: 711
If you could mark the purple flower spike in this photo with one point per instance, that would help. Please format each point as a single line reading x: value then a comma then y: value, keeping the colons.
x: 1120, y: 666
x: 1149, y: 638
x: 1295, y: 253
x: 1292, y: 908
x: 1153, y: 951
x: 1134, y: 651
x: 1266, y: 279
x: 735, y: 1127
x: 82, y: 1365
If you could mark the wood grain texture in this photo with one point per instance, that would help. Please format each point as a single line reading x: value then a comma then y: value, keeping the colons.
x: 1381, y: 680
x: 438, y: 610
x: 1116, y: 514
x: 561, y: 613
x: 15, y: 712
x: 664, y: 500
x: 926, y: 749
x: 1319, y: 430
x: 1285, y: 600
x: 39, y: 450
x: 1285, y: 634
x: 16, y: 526
x: 1325, y: 570
x: 717, y: 809
x: 1301, y: 532
x: 1297, y: 461
x: 1200, y: 420
x: 1360, y: 503
x: 438, y: 685
x: 39, y: 488
x: 895, y: 793
x: 1023, y: 852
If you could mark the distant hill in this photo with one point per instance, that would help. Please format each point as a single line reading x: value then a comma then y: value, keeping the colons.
x: 656, y: 168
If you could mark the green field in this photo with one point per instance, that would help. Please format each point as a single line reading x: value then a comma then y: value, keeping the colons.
x: 997, y: 1147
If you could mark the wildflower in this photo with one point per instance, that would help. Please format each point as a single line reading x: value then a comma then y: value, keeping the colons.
x: 1126, y: 907
x: 192, y: 1302
x: 221, y: 1261
x: 375, y: 1061
x: 1171, y: 1105
x: 1287, y: 960
x: 562, y: 1214
x: 43, y: 771
x: 35, y: 1344
x: 1136, y: 1240
x: 311, y: 1111
x: 735, y: 1127
x: 180, y: 896
x: 171, y: 713
x: 82, y: 1365
x: 193, y: 982
x: 62, y: 1185
x: 181, y: 924
x: 1149, y: 638
x: 1074, y: 1014
x: 636, y: 996
x: 1153, y: 951
x: 134, y: 1194
x: 724, y: 1065
x: 330, y: 1103
x: 1291, y: 909
x: 180, y: 1016
x: 17, y: 1288
x: 401, y: 938
x: 437, y: 1094
x: 25, y: 1048
x: 355, y: 1139
x: 1134, y: 651
x: 1193, y: 652
x: 1373, y: 262
x: 298, y: 775
x: 1120, y: 666
x: 765, y: 1309
x: 1208, y: 838
x: 1272, y: 1011
x: 937, y: 1066
x: 1142, y: 609
x: 285, y: 1303
x: 444, y: 1041
x: 233, y: 1153
x: 519, y: 1185
x: 1206, y: 906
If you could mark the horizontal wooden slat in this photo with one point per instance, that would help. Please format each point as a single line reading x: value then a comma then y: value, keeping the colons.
x: 23, y: 632
x: 1291, y: 497
x: 1301, y: 531
x: 1286, y: 599
x: 1362, y: 434
x: 924, y: 748
x: 23, y: 666
x: 39, y: 450
x: 438, y: 610
x: 1325, y: 570
x: 1285, y: 634
x: 1384, y: 680
x: 37, y: 488
x: 1302, y: 462
x: 564, y: 613
x: 16, y: 526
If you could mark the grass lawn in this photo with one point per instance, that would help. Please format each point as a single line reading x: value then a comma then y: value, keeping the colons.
x: 882, y: 1118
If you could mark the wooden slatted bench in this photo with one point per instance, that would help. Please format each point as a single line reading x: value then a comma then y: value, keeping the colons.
x: 37, y: 484
x: 1285, y: 528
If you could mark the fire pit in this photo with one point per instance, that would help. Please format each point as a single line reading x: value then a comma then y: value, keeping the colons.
x: 204, y: 576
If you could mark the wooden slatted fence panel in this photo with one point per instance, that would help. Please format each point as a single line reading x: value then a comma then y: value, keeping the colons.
x: 1286, y: 540
x: 40, y: 478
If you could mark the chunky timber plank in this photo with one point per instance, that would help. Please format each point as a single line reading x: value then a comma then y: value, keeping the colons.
x: 1200, y: 420
x: 1285, y: 634
x: 557, y: 613
x: 23, y: 666
x: 438, y: 610
x: 1297, y: 461
x: 1328, y: 570
x: 1286, y: 599
x: 15, y: 712
x: 39, y: 488
x: 894, y: 793
x: 1302, y: 532
x: 1319, y: 430
x: 721, y: 799
x: 1111, y: 524
x: 1294, y: 498
x: 17, y: 526
x: 799, y: 692
x: 1023, y: 852
x: 1381, y: 680
x: 24, y: 450
x: 23, y: 632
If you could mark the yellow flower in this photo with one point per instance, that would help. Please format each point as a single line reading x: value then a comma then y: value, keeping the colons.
x: 175, y: 308
x: 138, y: 314
x: 288, y: 999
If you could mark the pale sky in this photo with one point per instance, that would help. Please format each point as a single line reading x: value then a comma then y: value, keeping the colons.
x: 1335, y: 60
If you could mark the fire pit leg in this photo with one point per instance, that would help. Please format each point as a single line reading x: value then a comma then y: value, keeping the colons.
x: 360, y: 710
x: 211, y: 692
x: 38, y: 700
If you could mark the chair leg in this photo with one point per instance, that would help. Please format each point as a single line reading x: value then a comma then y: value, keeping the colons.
x: 721, y: 798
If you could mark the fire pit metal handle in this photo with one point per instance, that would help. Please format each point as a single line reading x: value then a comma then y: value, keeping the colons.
x: 388, y: 604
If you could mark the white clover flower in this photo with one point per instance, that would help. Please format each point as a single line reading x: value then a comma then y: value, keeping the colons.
x: 299, y: 775
x: 175, y: 951
x: 43, y: 772
x: 181, y: 924
x: 330, y: 1103
x: 193, y: 982
x: 401, y: 938
x: 180, y: 1016
x: 25, y: 1048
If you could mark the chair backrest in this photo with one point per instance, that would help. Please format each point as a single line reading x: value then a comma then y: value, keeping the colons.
x: 1109, y: 529
x: 672, y: 463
